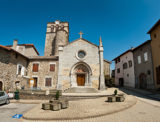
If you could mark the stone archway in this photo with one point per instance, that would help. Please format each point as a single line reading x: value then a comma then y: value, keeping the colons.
x: 1, y: 85
x: 80, y: 75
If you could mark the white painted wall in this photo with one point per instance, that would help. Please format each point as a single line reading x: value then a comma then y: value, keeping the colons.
x: 129, y: 81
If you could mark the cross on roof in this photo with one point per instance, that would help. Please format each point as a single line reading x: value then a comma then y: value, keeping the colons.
x: 80, y: 33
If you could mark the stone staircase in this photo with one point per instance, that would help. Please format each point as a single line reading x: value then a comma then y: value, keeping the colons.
x: 81, y: 90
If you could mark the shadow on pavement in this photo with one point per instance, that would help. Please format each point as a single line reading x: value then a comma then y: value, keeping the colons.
x: 137, y: 94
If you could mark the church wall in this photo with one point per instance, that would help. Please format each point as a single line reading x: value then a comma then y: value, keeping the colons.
x: 44, y: 72
x: 68, y: 58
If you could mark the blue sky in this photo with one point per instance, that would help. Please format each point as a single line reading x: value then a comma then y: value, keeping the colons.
x: 122, y: 24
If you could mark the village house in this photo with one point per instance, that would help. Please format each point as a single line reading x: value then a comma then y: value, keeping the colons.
x: 65, y: 65
x: 143, y: 66
x: 155, y: 46
x: 124, y: 69
x: 13, y: 67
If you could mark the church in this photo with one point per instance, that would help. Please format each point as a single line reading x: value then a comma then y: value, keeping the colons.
x: 65, y: 64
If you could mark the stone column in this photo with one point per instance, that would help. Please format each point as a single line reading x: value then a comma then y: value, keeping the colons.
x: 102, y: 84
x: 59, y: 83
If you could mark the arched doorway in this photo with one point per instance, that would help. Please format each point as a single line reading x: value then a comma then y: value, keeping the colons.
x: 81, y: 75
x: 142, y: 81
x: 1, y: 85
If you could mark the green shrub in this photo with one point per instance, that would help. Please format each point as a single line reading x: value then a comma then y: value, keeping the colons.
x: 115, y: 92
x: 57, y: 95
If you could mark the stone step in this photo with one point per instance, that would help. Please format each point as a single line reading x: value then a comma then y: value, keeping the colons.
x: 81, y: 90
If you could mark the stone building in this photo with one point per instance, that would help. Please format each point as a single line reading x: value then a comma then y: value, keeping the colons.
x: 124, y: 69
x: 13, y: 67
x: 143, y: 65
x: 155, y: 46
x: 65, y: 64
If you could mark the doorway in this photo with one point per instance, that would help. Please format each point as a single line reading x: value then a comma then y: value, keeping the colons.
x: 35, y: 82
x: 142, y: 81
x: 121, y: 82
x: 1, y: 85
x: 80, y: 79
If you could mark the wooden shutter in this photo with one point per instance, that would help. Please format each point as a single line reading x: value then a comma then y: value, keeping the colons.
x: 158, y: 74
x: 35, y: 67
x: 52, y: 67
x: 48, y: 81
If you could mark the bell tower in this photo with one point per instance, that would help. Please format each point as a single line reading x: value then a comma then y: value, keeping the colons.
x: 57, y: 35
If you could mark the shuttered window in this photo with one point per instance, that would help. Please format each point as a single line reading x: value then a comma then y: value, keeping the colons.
x: 35, y: 67
x: 48, y: 82
x: 52, y: 67
x: 158, y: 74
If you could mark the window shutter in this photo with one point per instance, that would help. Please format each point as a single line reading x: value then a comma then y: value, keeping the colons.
x: 48, y: 81
x: 17, y: 68
x: 52, y: 67
x: 35, y: 67
x: 23, y: 70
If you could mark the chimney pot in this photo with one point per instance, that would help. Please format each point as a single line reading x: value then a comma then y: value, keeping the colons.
x: 15, y: 42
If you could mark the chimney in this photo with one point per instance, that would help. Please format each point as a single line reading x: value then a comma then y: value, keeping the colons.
x: 15, y: 42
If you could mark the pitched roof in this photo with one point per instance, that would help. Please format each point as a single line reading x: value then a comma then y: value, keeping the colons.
x: 10, y: 49
x: 154, y: 26
x: 130, y: 50
x: 26, y: 45
x: 141, y: 45
x: 83, y: 40
x: 4, y: 47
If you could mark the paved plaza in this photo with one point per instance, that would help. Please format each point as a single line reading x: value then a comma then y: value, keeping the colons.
x: 7, y: 111
x: 145, y: 110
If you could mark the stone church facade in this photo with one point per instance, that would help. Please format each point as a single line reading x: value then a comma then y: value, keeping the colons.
x: 65, y: 64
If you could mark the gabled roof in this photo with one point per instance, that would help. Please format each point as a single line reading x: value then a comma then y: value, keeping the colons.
x: 10, y: 49
x: 141, y: 45
x: 32, y: 45
x: 83, y: 40
x: 154, y: 26
x: 130, y: 50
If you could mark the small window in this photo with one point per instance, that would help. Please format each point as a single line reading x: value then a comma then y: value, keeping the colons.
x: 155, y: 35
x: 118, y: 70
x: 125, y: 66
x: 116, y: 61
x: 35, y: 67
x: 19, y: 69
x: 127, y: 75
x: 130, y: 63
x: 48, y: 82
x: 119, y: 60
x: 81, y: 54
x: 148, y: 72
x: 16, y: 55
x: 17, y: 83
x: 139, y: 59
x: 145, y: 56
x: 52, y: 67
